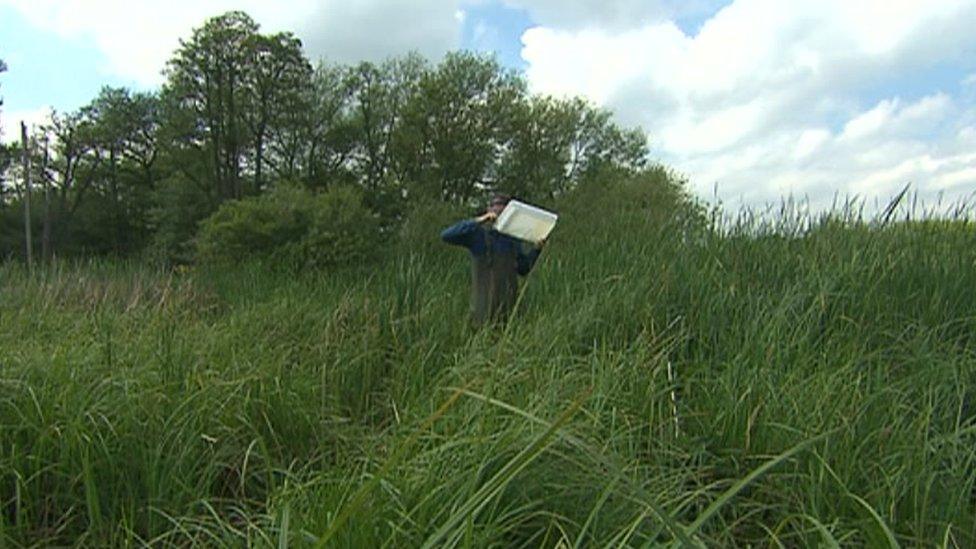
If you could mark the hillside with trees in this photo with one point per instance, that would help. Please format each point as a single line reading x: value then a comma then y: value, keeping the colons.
x: 242, y: 328
x: 241, y: 113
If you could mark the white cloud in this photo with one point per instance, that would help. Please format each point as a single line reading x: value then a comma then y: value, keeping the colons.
x: 612, y: 15
x: 597, y: 63
x: 809, y: 142
x: 961, y: 179
x: 873, y: 163
x: 10, y: 122
x: 139, y: 36
x: 866, y: 124
x: 769, y: 96
x: 354, y: 30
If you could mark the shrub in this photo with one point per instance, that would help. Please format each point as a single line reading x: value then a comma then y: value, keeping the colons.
x: 291, y: 227
x: 652, y: 197
x: 180, y: 206
x: 425, y: 219
x: 254, y: 226
x: 341, y: 231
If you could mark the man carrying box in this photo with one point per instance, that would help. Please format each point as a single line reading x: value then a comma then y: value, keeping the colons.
x: 496, y: 260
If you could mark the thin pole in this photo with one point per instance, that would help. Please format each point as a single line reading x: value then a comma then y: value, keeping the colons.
x: 674, y: 400
x: 27, y: 195
x: 46, y: 234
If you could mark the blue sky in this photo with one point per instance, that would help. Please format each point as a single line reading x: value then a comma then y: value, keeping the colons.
x: 65, y: 72
x: 45, y: 69
x: 496, y: 28
x: 761, y: 98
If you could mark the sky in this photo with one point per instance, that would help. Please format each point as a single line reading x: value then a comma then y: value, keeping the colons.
x: 751, y: 100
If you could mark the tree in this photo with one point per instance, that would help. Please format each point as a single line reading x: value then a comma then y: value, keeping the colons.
x: 70, y: 168
x: 209, y: 77
x: 184, y: 192
x: 322, y: 140
x: 598, y: 143
x: 7, y: 155
x: 125, y: 130
x: 535, y: 163
x: 455, y: 126
x: 242, y: 112
x: 379, y: 97
x: 556, y: 143
x: 276, y: 74
x: 5, y: 152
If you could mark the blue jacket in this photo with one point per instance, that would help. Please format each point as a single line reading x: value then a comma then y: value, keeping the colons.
x: 480, y: 242
x: 496, y: 259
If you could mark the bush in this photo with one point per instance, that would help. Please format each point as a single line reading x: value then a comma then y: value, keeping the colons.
x: 180, y: 207
x: 341, y: 231
x: 424, y: 220
x: 291, y: 227
x: 654, y: 196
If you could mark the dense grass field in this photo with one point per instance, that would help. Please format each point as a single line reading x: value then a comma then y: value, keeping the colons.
x: 667, y: 380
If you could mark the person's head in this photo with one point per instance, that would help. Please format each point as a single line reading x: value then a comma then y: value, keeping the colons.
x: 498, y: 203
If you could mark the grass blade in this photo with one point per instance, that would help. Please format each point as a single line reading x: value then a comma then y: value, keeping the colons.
x: 359, y: 496
x: 716, y: 505
x: 496, y: 483
x: 889, y: 535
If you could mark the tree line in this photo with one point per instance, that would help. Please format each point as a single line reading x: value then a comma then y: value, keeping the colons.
x: 242, y: 112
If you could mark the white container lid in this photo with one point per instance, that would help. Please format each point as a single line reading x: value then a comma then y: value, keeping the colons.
x: 525, y: 222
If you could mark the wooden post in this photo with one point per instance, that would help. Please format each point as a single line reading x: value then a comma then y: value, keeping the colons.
x: 27, y: 196
x: 46, y: 234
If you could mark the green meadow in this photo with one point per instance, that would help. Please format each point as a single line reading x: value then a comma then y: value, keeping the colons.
x: 670, y: 378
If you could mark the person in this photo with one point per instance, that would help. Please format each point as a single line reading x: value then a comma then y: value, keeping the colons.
x: 496, y: 262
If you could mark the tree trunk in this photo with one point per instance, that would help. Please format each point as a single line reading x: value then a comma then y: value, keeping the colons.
x: 116, y: 202
x: 259, y: 160
x: 27, y: 196
x: 46, y: 233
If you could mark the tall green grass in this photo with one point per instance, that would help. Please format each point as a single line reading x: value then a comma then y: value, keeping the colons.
x: 823, y: 385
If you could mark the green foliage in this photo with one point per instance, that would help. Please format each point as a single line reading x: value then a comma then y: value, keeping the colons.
x: 8, y: 156
x: 556, y: 144
x: 455, y: 123
x: 725, y: 388
x: 180, y: 206
x: 420, y: 229
x: 291, y: 227
x: 207, y: 77
x: 242, y: 112
x: 253, y: 227
x: 654, y: 196
x: 12, y: 230
x: 341, y: 232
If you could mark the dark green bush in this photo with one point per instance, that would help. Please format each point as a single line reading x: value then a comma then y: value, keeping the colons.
x: 424, y: 220
x: 180, y: 207
x: 341, y: 231
x: 291, y: 227
x: 634, y: 201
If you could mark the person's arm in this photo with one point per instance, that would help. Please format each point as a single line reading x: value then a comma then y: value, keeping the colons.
x: 525, y: 260
x: 462, y: 233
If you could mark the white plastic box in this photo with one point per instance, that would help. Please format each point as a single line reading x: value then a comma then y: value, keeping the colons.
x: 525, y: 222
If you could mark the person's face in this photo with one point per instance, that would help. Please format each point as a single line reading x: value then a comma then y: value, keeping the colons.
x: 496, y: 207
